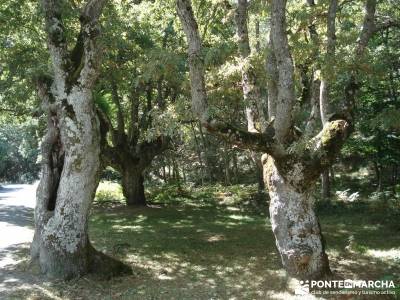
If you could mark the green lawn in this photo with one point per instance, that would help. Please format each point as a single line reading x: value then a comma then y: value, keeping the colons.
x: 211, y: 244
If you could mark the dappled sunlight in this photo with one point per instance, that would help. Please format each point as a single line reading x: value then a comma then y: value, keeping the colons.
x: 390, y: 254
x: 206, y: 252
x: 212, y: 253
x: 241, y: 218
x: 215, y: 238
x: 123, y: 228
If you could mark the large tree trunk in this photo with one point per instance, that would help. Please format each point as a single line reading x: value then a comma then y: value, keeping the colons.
x: 70, y: 151
x: 296, y: 228
x: 70, y: 175
x: 132, y: 187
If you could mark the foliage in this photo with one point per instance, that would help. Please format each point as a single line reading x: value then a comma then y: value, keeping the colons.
x: 145, y: 50
x: 19, y: 152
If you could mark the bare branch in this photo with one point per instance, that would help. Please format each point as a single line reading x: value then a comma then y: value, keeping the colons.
x: 56, y: 38
x: 286, y: 95
x: 251, y: 91
x: 196, y: 64
x: 324, y: 100
x: 90, y: 30
x: 368, y: 27
x: 272, y: 80
x: 92, y: 11
x: 120, y: 115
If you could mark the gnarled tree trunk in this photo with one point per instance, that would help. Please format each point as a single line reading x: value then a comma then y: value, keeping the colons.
x: 291, y: 172
x: 132, y: 163
x: 125, y: 151
x: 296, y: 228
x: 70, y: 154
x: 133, y: 187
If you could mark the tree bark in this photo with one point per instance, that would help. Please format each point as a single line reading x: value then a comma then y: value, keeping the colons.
x: 325, y: 185
x: 70, y: 175
x: 70, y: 152
x: 296, y: 228
x: 133, y: 186
x: 132, y: 163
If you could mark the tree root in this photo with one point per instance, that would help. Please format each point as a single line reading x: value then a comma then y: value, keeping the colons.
x: 104, y: 265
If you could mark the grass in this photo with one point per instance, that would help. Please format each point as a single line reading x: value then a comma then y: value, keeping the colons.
x: 210, y: 243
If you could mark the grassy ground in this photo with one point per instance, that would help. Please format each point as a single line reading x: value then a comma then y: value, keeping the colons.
x: 213, y: 243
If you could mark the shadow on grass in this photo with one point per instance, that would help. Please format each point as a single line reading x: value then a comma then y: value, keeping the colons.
x: 206, y: 251
x: 192, y: 252
x: 222, y: 252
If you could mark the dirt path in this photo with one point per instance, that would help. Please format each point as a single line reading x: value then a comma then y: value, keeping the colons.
x: 17, y: 203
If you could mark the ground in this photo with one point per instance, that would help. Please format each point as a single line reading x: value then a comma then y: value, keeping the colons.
x: 207, y: 243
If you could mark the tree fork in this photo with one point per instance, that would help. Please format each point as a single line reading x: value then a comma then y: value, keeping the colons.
x: 288, y: 174
x: 71, y: 153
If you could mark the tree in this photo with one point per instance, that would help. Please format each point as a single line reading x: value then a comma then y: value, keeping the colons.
x: 70, y: 149
x: 138, y: 87
x: 129, y: 153
x: 293, y: 160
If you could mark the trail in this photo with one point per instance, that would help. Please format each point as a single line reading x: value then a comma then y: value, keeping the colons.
x: 17, y: 203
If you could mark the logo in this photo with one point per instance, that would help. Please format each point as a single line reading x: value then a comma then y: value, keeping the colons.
x: 347, y: 287
x: 303, y: 289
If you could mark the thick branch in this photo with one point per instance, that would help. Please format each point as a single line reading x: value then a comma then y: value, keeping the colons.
x: 368, y: 28
x: 331, y: 28
x: 261, y: 142
x: 146, y: 119
x: 134, y: 131
x: 149, y: 150
x: 286, y: 95
x: 314, y: 118
x: 330, y: 56
x: 57, y: 41
x: 120, y: 115
x: 90, y: 30
x: 82, y: 63
x: 251, y: 91
x: 196, y: 63
x: 242, y: 30
x: 272, y: 80
x: 326, y: 145
x: 255, y: 141
x: 92, y: 11
x: 105, y: 127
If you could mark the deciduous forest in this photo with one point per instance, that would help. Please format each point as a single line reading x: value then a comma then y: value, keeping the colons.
x: 199, y: 149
